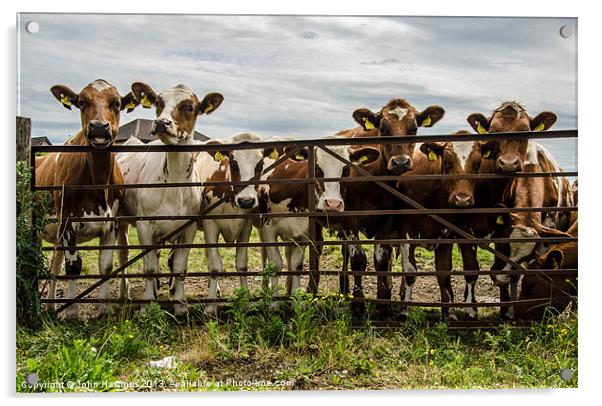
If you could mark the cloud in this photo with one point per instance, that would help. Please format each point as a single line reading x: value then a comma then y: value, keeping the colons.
x: 301, y: 75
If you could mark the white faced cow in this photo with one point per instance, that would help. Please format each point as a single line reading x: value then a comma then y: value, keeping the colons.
x: 229, y: 165
x: 293, y: 198
x: 177, y: 111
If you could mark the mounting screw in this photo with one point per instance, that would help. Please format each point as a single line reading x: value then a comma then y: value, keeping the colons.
x: 32, y: 27
x: 566, y: 374
x: 566, y: 31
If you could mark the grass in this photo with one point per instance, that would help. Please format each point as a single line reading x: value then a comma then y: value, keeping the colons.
x: 313, y: 348
x: 309, y: 345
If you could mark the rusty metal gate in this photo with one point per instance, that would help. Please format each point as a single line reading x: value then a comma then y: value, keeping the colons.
x: 313, y: 215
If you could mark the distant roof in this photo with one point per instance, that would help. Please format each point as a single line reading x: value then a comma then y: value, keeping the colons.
x: 40, y: 141
x: 141, y: 128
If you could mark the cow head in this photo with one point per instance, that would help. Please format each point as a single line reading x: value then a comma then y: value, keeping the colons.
x: 100, y: 105
x: 455, y: 158
x: 556, y: 289
x: 243, y: 165
x: 511, y: 116
x: 398, y: 118
x: 177, y: 110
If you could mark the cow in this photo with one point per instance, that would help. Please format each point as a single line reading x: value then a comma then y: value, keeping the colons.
x: 100, y: 106
x: 397, y: 118
x: 437, y: 158
x: 293, y: 198
x: 177, y: 110
x: 225, y: 165
x: 558, y: 290
x: 509, y: 157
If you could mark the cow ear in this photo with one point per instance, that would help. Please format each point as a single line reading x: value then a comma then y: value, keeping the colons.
x: 300, y: 155
x: 554, y: 259
x: 129, y: 102
x: 489, y: 149
x: 366, y: 118
x: 66, y: 96
x: 430, y: 116
x: 210, y: 103
x: 273, y: 153
x: 479, y: 123
x: 543, y: 121
x: 433, y: 150
x: 144, y: 94
x: 364, y: 155
x: 218, y: 155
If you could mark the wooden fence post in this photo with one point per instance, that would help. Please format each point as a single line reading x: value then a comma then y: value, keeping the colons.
x: 23, y: 139
x: 314, y: 271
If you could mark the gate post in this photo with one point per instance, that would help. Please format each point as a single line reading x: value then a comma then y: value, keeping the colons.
x: 314, y: 271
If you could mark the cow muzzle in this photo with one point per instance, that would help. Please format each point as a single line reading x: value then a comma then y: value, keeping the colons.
x: 99, y: 134
x: 246, y: 202
x: 333, y: 205
x: 463, y: 200
x: 508, y: 164
x: 400, y: 164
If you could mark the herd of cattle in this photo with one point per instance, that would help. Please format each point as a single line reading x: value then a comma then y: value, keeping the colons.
x: 177, y: 110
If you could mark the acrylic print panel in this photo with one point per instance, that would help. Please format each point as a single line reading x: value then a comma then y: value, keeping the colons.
x: 203, y: 284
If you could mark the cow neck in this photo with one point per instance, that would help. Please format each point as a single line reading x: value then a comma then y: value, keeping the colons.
x: 178, y: 165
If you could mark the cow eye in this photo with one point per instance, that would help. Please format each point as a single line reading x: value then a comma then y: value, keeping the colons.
x: 81, y: 103
x: 233, y: 164
x: 447, y: 165
x: 345, y: 172
x: 259, y: 168
x: 413, y: 131
x: 115, y: 104
x: 189, y: 108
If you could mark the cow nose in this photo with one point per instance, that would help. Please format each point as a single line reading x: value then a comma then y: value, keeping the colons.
x: 508, y: 165
x: 401, y: 163
x: 245, y: 202
x: 97, y: 126
x: 162, y: 124
x: 333, y: 205
x: 463, y: 200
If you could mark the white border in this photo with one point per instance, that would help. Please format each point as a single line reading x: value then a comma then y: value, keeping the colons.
x: 589, y: 182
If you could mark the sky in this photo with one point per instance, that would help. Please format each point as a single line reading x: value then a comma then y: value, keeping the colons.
x: 304, y: 75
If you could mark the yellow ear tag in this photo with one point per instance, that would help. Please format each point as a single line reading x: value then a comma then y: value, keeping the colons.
x: 368, y: 124
x: 363, y: 158
x: 218, y: 156
x: 432, y: 156
x: 66, y: 101
x: 426, y: 122
x: 208, y: 108
x: 130, y: 105
x: 146, y: 103
x: 486, y: 154
x: 274, y: 154
x: 499, y: 220
x: 480, y: 128
x: 540, y: 127
x: 299, y: 157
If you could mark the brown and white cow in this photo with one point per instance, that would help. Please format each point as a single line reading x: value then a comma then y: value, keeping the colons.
x: 100, y: 105
x: 511, y: 156
x: 396, y: 118
x: 437, y: 158
x: 293, y: 198
x: 230, y: 165
x: 177, y: 111
x: 558, y: 290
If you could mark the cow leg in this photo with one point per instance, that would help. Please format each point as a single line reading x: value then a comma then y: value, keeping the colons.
x: 443, y: 262
x: 242, y: 260
x: 295, y: 264
x: 271, y: 255
x: 470, y: 263
x: 382, y: 265
x: 150, y: 262
x: 358, y: 261
x: 56, y: 263
x: 343, y: 276
x: 179, y: 266
x: 73, y: 267
x: 105, y: 265
x: 314, y: 277
x: 408, y: 264
x: 502, y: 281
x: 122, y: 239
x: 214, y: 261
